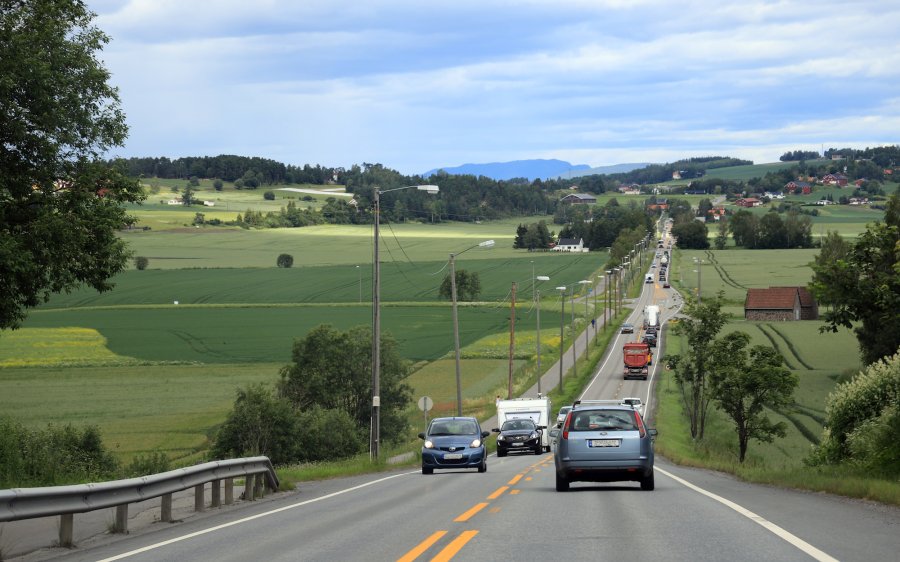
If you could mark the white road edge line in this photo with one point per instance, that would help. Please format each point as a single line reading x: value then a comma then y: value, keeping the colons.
x: 768, y: 525
x: 245, y: 519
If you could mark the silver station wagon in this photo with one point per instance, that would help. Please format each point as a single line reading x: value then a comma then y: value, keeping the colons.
x: 604, y: 441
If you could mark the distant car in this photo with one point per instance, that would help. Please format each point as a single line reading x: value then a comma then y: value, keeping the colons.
x: 627, y: 329
x: 519, y: 435
x: 561, y: 416
x: 666, y: 285
x: 650, y: 339
x: 635, y: 403
x: 453, y: 443
x: 604, y: 443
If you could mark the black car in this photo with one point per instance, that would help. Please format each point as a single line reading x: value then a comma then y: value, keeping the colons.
x: 519, y: 435
x: 650, y: 339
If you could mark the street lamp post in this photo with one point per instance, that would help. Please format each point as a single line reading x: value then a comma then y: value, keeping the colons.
x: 574, y: 336
x: 538, y: 303
x: 485, y: 244
x: 375, y: 427
x: 606, y: 311
x: 562, y: 319
x: 359, y: 274
x: 587, y: 332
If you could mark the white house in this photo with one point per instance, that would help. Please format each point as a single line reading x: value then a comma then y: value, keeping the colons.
x: 570, y: 245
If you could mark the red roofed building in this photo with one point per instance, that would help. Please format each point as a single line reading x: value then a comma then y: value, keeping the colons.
x: 780, y: 303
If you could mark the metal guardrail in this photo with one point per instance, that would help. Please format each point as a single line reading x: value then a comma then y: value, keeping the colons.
x: 65, y: 501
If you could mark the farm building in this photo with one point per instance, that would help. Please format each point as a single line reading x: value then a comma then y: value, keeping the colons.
x: 780, y: 303
x: 570, y: 245
x: 748, y: 202
x: 579, y: 199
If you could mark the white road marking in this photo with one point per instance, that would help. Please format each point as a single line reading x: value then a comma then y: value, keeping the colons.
x: 246, y: 519
x: 765, y: 523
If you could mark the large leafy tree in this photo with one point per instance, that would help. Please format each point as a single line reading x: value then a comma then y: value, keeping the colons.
x: 332, y: 369
x: 60, y: 207
x: 691, y: 234
x: 861, y: 285
x: 468, y: 286
x: 695, y: 366
x: 745, y: 382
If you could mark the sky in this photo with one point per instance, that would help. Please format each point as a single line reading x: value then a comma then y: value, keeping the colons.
x: 423, y: 84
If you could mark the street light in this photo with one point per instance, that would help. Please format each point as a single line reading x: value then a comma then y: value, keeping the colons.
x: 485, y: 244
x: 699, y: 263
x: 359, y: 273
x: 586, y: 329
x: 538, y: 303
x: 375, y: 427
x: 562, y: 320
x: 606, y: 308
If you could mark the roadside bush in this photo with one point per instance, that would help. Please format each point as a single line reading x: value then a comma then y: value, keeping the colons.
x: 859, y: 415
x: 269, y: 195
x: 141, y: 262
x: 217, y: 184
x: 327, y: 434
x: 873, y: 444
x: 260, y: 423
x: 285, y: 260
x: 52, y: 456
x: 141, y: 465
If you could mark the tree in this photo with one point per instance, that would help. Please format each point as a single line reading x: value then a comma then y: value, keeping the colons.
x: 60, y: 207
x: 694, y: 366
x: 217, y: 184
x: 194, y: 181
x: 722, y: 234
x: 863, y: 288
x: 519, y: 240
x: 187, y: 196
x: 269, y: 195
x: 691, y: 235
x: 468, y: 286
x: 141, y: 263
x: 744, y: 227
x: 285, y: 260
x: 745, y: 383
x: 333, y: 370
x: 260, y: 423
x: 772, y: 234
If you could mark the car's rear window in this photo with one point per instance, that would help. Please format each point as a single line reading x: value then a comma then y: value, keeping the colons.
x: 603, y: 420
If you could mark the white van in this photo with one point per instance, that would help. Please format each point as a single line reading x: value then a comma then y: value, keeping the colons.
x: 535, y: 409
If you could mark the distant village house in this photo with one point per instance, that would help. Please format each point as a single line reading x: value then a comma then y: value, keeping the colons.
x: 570, y: 245
x: 579, y: 199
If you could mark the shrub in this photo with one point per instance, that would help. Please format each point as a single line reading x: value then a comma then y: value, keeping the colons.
x: 141, y: 262
x: 285, y: 260
x: 52, y: 456
x: 141, y: 465
x: 858, y: 413
x: 327, y: 434
x: 269, y: 195
x: 217, y: 184
x: 260, y: 423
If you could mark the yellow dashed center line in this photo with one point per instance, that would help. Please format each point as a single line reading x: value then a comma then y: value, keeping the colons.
x: 514, y: 492
x: 498, y: 493
x: 471, y: 513
x: 422, y: 547
x: 515, y: 479
x: 454, y: 547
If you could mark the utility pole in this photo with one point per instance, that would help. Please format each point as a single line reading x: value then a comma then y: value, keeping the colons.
x: 455, y: 333
x: 512, y: 340
x: 574, y: 336
x: 539, y: 373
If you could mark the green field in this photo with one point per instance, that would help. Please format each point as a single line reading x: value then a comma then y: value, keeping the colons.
x: 819, y: 360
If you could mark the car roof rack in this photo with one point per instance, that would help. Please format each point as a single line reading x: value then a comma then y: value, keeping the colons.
x: 598, y: 403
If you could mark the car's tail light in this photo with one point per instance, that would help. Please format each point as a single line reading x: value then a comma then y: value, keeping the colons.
x: 565, y: 432
x: 640, y: 424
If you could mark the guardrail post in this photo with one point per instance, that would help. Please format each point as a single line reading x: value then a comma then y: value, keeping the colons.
x: 165, y: 514
x: 121, y: 524
x: 198, y: 498
x: 216, y: 493
x: 260, y: 487
x: 229, y: 491
x: 66, y: 529
x: 249, y: 487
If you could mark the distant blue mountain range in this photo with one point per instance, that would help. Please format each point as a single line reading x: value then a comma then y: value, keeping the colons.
x: 533, y: 169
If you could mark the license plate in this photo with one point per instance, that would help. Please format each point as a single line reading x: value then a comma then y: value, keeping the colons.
x: 603, y: 442
x: 452, y: 456
x: 517, y: 444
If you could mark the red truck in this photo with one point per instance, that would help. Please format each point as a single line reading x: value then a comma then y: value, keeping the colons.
x: 637, y: 359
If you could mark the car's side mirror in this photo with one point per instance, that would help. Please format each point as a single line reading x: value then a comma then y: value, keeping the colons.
x: 485, y: 434
x: 496, y: 430
x: 554, y: 433
x: 542, y: 427
x: 422, y: 435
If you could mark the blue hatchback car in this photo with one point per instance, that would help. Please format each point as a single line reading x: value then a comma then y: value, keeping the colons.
x: 453, y: 443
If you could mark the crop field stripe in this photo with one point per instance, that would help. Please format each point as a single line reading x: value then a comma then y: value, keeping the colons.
x: 792, y: 348
x: 723, y: 274
x: 775, y: 345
